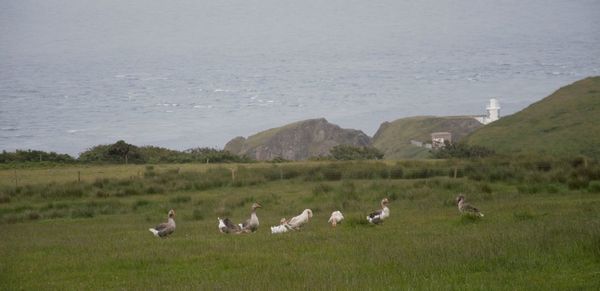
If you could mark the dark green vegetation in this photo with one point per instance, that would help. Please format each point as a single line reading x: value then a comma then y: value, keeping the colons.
x: 562, y: 124
x: 349, y: 153
x: 541, y: 228
x: 393, y: 138
x: 461, y: 150
x: 123, y: 153
x: 24, y: 156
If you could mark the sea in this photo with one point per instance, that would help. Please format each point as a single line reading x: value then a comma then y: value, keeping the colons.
x: 197, y: 73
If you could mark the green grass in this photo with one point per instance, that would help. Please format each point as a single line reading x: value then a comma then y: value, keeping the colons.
x: 393, y: 138
x: 543, y: 240
x: 562, y: 124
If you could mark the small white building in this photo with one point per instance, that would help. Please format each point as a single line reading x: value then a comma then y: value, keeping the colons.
x: 439, y: 139
x: 493, y: 112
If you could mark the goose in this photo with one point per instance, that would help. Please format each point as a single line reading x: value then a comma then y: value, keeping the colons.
x: 281, y: 228
x: 226, y: 226
x: 166, y: 228
x: 336, y: 217
x: 379, y: 215
x: 298, y: 221
x: 251, y: 224
x: 466, y: 208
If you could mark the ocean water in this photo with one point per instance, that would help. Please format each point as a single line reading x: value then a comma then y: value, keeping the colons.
x: 183, y: 74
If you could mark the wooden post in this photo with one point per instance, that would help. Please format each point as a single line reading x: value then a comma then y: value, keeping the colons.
x: 78, y: 176
x: 455, y: 172
x: 206, y: 160
x: 232, y: 175
x: 16, y: 180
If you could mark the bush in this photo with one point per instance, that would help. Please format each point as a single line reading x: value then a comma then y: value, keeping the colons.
x: 461, y: 150
x: 4, y: 198
x: 348, y: 152
x: 82, y: 213
x: 22, y: 156
x: 594, y: 186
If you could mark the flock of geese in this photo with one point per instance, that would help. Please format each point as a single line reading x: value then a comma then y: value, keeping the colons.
x: 296, y: 222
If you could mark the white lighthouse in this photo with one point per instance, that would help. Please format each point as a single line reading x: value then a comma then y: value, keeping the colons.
x: 493, y: 112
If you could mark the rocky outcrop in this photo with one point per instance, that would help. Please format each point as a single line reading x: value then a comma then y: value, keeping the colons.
x: 297, y: 141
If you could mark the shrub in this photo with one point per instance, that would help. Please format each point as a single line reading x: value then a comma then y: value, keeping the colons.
x: 4, y: 198
x: 32, y: 215
x: 348, y: 152
x: 82, y: 213
x: 594, y: 186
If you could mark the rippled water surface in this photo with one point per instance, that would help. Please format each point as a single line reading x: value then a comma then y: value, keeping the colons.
x: 183, y: 74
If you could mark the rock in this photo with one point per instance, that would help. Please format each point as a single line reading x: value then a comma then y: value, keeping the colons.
x: 297, y: 141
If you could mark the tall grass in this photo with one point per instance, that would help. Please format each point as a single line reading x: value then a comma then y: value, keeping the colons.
x: 537, y: 233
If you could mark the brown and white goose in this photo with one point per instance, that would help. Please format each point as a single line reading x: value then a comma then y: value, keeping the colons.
x: 380, y: 215
x: 166, y: 228
x: 466, y: 208
x: 250, y: 225
x: 226, y: 226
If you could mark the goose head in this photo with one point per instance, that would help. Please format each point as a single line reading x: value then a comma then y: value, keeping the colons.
x: 308, y: 213
x: 460, y: 198
x: 171, y: 213
x: 384, y: 202
x: 256, y: 205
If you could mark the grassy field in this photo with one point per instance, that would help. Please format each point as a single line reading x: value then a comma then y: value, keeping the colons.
x: 541, y: 228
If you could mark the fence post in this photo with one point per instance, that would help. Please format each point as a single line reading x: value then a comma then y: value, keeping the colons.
x: 78, y: 176
x: 455, y: 172
x: 16, y: 180
x: 232, y: 175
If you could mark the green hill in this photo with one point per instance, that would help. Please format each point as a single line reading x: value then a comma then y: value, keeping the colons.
x: 565, y: 123
x: 393, y: 138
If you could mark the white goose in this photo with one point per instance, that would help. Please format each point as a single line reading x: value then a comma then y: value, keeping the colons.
x: 281, y: 228
x: 166, y: 228
x: 335, y: 218
x: 379, y: 215
x: 466, y: 208
x: 298, y: 221
x: 294, y: 223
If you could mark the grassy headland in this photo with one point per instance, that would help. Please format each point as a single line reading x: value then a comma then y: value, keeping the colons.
x: 393, y: 138
x: 562, y: 124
